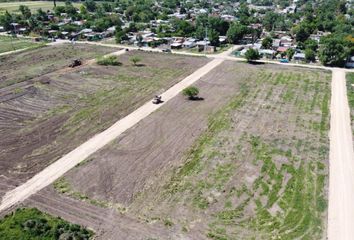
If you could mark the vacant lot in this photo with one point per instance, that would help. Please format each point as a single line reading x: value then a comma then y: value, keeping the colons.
x: 350, y: 92
x: 46, y: 116
x: 257, y: 167
x: 29, y: 64
x: 33, y: 5
x: 10, y: 44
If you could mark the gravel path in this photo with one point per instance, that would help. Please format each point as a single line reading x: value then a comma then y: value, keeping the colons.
x: 341, y: 178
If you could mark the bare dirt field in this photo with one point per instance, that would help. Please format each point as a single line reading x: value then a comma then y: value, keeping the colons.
x: 54, y: 109
x: 250, y: 161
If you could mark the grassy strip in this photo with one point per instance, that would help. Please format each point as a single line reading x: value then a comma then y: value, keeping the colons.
x: 350, y: 94
x: 30, y: 223
x: 64, y: 187
x: 216, y: 123
x: 11, y: 44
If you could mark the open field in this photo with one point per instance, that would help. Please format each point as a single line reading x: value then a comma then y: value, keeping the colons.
x: 256, y: 168
x: 10, y: 44
x: 54, y: 109
x: 33, y: 5
x: 29, y: 64
x: 350, y: 92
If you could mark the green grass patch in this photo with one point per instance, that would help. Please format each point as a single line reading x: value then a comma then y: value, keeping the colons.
x: 9, y: 43
x: 64, y: 187
x: 108, y: 61
x: 30, y: 223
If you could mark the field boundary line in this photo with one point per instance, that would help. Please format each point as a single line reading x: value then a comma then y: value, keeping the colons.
x: 71, y: 159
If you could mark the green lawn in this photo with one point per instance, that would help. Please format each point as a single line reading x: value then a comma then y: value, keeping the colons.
x: 30, y: 223
x: 33, y: 5
x: 10, y: 43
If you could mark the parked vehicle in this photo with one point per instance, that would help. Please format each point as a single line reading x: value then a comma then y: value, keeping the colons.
x: 157, y: 100
x: 284, y: 60
x: 75, y: 63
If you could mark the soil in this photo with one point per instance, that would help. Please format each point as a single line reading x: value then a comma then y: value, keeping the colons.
x: 135, y: 169
x: 43, y: 117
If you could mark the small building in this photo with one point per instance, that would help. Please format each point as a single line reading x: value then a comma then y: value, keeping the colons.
x: 176, y: 45
x: 350, y: 62
x: 299, y: 56
x: 189, y: 44
x: 222, y: 39
x: 282, y: 49
x: 268, y: 53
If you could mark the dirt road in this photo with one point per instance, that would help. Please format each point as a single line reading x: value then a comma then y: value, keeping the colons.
x: 341, y: 178
x: 68, y: 161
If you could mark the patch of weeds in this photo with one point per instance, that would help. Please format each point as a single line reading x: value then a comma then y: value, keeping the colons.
x: 108, y: 61
x: 63, y: 186
x: 168, y: 223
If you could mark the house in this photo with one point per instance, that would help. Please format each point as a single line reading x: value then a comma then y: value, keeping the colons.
x: 222, y: 39
x: 299, y: 56
x: 205, y: 46
x: 276, y: 43
x: 190, y: 43
x: 282, y: 49
x: 176, y: 45
x: 228, y: 18
x: 268, y: 53
x: 350, y: 62
x: 178, y: 15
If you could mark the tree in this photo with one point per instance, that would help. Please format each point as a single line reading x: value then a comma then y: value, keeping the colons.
x: 135, y: 60
x: 269, y: 21
x: 90, y: 5
x: 6, y: 20
x: 25, y: 11
x: 334, y: 51
x: 139, y: 38
x: 311, y: 44
x: 310, y: 55
x: 120, y: 35
x: 267, y: 42
x: 191, y: 92
x: 236, y: 32
x: 252, y: 54
x: 290, y: 53
x: 213, y: 37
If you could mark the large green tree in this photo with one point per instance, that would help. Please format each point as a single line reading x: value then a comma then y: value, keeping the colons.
x: 236, y: 32
x: 334, y: 50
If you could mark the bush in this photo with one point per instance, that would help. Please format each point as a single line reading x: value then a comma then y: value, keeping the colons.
x: 109, y: 61
x: 191, y: 92
x: 252, y: 54
x: 135, y: 60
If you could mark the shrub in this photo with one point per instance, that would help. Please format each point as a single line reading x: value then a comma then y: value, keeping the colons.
x: 135, y: 60
x: 109, y: 61
x: 191, y: 92
x: 251, y: 55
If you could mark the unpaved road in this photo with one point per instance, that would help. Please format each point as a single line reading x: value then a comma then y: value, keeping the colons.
x: 341, y: 169
x: 64, y: 164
